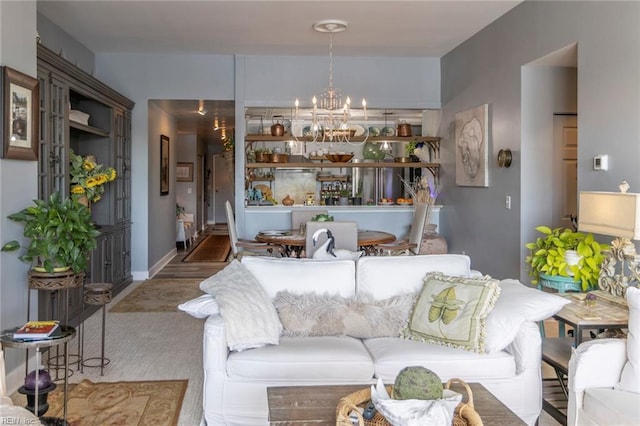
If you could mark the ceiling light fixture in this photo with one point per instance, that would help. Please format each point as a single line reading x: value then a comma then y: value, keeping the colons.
x: 331, y: 118
x: 201, y: 109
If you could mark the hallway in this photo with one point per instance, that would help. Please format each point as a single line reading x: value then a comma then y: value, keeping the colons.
x: 179, y: 269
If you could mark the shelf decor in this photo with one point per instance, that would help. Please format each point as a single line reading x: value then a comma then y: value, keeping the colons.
x: 20, y: 112
x: 88, y: 178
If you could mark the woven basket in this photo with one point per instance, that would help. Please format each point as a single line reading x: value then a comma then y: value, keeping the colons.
x: 465, y: 414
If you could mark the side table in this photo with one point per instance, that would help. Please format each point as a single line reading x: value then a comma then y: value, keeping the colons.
x: 67, y: 333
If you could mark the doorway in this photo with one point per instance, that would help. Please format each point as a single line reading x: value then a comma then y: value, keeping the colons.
x: 565, y: 169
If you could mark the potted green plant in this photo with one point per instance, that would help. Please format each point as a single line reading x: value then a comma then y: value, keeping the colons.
x: 179, y: 210
x: 62, y: 234
x: 548, y: 256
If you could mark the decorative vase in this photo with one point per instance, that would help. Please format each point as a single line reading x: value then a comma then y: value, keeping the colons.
x: 372, y: 151
x: 432, y: 242
x: 287, y: 201
x: 344, y: 201
x: 572, y: 258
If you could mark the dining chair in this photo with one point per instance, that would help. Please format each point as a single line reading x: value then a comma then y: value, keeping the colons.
x: 241, y: 247
x: 409, y: 245
x: 301, y: 217
x: 345, y: 236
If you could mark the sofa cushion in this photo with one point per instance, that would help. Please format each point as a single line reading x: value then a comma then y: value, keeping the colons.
x: 303, y: 275
x: 392, y: 354
x: 386, y: 276
x: 314, y: 314
x: 611, y: 407
x: 516, y: 304
x: 452, y: 311
x: 200, y: 307
x: 631, y: 372
x: 250, y: 319
x: 304, y: 359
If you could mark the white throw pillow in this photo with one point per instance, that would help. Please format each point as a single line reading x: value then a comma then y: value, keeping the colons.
x: 518, y: 303
x: 303, y: 275
x: 387, y: 276
x: 631, y: 372
x: 200, y: 307
x: 250, y: 319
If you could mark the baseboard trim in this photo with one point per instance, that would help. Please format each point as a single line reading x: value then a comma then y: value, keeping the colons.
x: 162, y: 262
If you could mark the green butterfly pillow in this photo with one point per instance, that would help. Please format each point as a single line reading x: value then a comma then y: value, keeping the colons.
x: 452, y: 311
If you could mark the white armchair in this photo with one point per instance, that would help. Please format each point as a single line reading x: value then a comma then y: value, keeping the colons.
x: 604, y: 377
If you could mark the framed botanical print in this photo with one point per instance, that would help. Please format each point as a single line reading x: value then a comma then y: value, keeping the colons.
x: 164, y: 165
x: 184, y: 172
x: 20, y: 113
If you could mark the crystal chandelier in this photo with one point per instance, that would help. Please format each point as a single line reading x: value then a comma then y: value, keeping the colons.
x: 331, y: 119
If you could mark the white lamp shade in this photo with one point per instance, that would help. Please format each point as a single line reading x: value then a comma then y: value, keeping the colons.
x: 610, y: 213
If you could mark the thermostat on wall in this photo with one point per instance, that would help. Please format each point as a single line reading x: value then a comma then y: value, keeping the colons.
x: 601, y: 162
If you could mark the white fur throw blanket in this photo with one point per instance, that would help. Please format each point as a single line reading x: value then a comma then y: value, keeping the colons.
x: 250, y: 319
x: 312, y: 314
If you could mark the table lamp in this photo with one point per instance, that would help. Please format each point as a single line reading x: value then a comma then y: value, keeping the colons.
x: 616, y: 214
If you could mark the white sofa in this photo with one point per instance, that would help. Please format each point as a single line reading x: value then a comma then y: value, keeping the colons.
x: 604, y: 377
x: 235, y: 383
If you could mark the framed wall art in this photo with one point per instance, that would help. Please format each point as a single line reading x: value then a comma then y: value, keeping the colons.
x: 184, y: 172
x: 20, y: 112
x: 472, y: 146
x: 164, y: 165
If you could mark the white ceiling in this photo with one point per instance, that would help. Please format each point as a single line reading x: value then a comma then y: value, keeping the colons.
x: 265, y: 27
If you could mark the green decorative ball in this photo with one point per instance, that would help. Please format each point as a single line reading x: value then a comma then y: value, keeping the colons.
x: 417, y: 383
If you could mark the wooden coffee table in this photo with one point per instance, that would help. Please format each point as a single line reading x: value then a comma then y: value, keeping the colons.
x: 316, y: 405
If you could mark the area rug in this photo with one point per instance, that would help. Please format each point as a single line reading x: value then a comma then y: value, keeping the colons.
x: 214, y: 248
x: 120, y: 403
x: 159, y: 295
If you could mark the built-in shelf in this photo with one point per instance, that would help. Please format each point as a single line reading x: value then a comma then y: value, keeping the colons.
x: 338, y: 165
x: 88, y: 129
x: 355, y: 139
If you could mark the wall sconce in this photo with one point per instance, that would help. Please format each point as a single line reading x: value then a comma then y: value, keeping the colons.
x: 504, y: 158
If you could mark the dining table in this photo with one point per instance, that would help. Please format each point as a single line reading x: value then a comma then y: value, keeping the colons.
x: 293, y: 241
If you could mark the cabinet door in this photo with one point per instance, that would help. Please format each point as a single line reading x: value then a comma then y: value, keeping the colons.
x: 100, y: 268
x: 53, y: 167
x: 122, y: 152
x: 121, y: 255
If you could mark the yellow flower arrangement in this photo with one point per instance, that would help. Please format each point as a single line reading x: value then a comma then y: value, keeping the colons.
x: 88, y: 178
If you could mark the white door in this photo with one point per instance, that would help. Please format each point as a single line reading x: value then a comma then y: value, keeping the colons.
x: 565, y: 169
x: 223, y: 188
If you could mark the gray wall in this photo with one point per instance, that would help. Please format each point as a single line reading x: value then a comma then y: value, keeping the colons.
x: 253, y: 81
x: 187, y: 151
x: 18, y: 182
x: 487, y: 69
x: 145, y: 77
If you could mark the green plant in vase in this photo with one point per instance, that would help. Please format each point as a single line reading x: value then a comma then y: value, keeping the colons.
x: 548, y: 256
x: 62, y: 234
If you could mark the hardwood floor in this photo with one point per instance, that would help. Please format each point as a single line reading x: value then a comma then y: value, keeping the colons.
x: 179, y: 269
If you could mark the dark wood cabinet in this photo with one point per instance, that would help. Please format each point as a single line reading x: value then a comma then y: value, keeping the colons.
x: 80, y: 113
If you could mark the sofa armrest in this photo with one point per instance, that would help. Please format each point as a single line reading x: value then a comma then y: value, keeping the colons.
x: 215, y: 350
x: 593, y: 364
x: 597, y: 363
x: 214, y: 361
x: 526, y: 347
